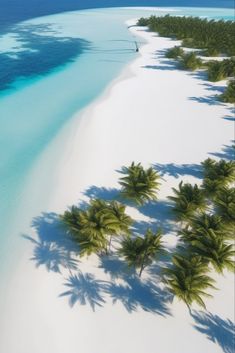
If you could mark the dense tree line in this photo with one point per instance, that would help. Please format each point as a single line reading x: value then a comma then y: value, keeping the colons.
x: 215, y: 37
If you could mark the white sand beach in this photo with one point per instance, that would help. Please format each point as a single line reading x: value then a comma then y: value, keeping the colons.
x: 157, y: 115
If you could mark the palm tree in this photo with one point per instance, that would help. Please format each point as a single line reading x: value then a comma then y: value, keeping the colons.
x: 211, y: 224
x: 140, y: 252
x: 119, y: 211
x: 187, y: 279
x: 70, y: 219
x: 204, y: 225
x: 139, y: 185
x: 217, y: 175
x: 92, y: 227
x: 187, y: 234
x: 225, y: 205
x: 188, y: 200
x: 216, y: 251
x: 211, y: 187
x: 229, y: 94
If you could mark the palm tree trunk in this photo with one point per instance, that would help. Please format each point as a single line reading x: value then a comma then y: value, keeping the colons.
x: 141, y: 269
x: 189, y: 309
x: 110, y: 241
x: 142, y: 265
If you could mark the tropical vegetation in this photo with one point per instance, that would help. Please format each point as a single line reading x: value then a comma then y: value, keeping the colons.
x: 195, y: 32
x: 188, y: 200
x: 229, y: 94
x: 220, y: 70
x: 174, y: 53
x: 204, y: 225
x: 139, y: 185
x: 217, y: 175
x: 225, y: 204
x: 209, y: 37
x: 190, y: 61
x: 206, y: 214
x: 94, y: 227
x: 187, y: 279
x: 214, y: 250
x: 140, y: 252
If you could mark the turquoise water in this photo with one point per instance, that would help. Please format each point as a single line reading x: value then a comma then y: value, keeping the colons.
x: 57, y: 66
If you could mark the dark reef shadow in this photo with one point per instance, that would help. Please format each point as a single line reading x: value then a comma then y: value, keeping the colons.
x: 40, y: 52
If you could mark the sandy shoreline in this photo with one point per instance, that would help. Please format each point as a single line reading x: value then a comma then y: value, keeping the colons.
x: 152, y: 114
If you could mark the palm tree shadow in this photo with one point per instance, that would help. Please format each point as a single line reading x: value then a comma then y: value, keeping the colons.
x: 85, y: 289
x: 178, y: 170
x: 133, y: 293
x: 161, y: 214
x: 212, y: 87
x: 160, y: 67
x: 165, y: 64
x: 51, y: 256
x: 49, y: 228
x: 53, y: 248
x: 229, y: 118
x: 108, y: 194
x: 211, y: 100
x: 217, y: 330
x: 113, y: 266
x: 157, y: 268
x: 228, y: 152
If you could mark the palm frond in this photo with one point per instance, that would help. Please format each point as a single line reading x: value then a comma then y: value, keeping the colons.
x: 139, y: 185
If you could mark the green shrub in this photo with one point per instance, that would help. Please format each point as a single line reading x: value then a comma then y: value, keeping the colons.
x: 190, y: 62
x: 229, y: 94
x: 219, y: 70
x: 143, y: 21
x: 174, y: 53
x: 211, y: 52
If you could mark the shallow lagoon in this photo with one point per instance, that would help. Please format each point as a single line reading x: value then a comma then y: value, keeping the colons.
x: 52, y: 67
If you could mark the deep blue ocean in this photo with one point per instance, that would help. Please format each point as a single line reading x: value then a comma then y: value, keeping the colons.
x: 13, y: 11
